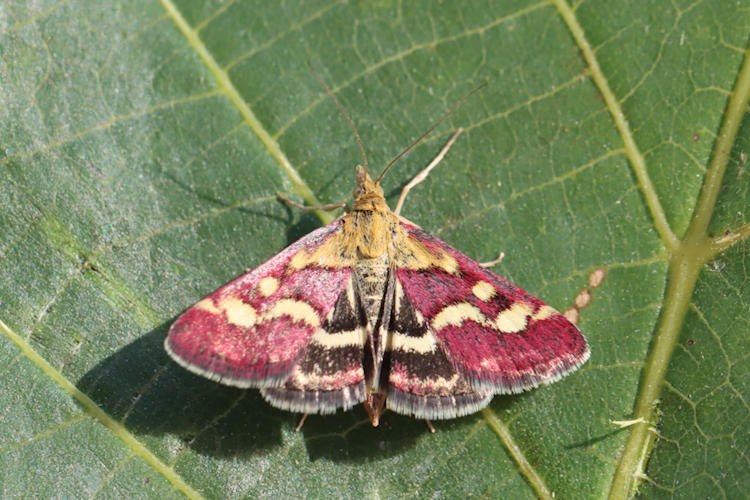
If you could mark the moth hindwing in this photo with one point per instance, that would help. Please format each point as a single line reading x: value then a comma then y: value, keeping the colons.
x: 371, y: 309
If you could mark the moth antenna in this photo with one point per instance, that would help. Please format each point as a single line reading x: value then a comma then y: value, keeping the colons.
x: 427, y: 132
x: 343, y: 111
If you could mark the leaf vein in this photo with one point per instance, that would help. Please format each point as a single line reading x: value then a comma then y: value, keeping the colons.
x: 281, y: 34
x: 399, y: 56
x: 636, y: 158
x: 536, y: 187
x: 93, y: 410
x: 226, y: 84
x: 524, y: 467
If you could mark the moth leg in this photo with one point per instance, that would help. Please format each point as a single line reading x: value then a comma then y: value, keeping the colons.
x: 326, y: 208
x: 493, y: 262
x: 429, y: 426
x: 302, y: 421
x: 423, y: 174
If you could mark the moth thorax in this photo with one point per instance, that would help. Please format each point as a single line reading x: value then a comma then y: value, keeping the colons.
x: 368, y: 233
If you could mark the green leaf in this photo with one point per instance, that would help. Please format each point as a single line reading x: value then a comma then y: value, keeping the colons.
x: 141, y: 148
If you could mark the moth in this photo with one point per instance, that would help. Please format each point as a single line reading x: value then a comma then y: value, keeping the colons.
x: 372, y: 309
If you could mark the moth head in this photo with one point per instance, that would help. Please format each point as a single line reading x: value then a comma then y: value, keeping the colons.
x: 368, y: 195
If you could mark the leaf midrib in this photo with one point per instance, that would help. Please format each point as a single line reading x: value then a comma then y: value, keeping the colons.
x: 687, y: 256
x: 687, y: 260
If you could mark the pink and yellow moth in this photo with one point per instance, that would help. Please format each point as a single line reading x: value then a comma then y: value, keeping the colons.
x: 372, y: 309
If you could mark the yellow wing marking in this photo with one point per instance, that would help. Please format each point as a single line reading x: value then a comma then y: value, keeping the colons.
x: 456, y: 314
x: 356, y: 337
x: 513, y: 319
x: 267, y: 286
x: 238, y: 313
x: 295, y: 309
x: 423, y: 345
x: 544, y: 312
x: 483, y: 290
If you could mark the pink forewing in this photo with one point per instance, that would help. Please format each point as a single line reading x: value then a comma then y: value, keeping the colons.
x: 208, y: 340
x: 489, y: 358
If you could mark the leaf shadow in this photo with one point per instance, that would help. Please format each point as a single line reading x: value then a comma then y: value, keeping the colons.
x: 210, y: 200
x: 305, y: 224
x: 348, y: 437
x: 140, y: 386
x: 587, y: 443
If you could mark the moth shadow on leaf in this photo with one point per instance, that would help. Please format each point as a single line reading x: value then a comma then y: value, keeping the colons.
x: 306, y: 223
x: 348, y: 437
x: 300, y: 223
x: 142, y: 388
